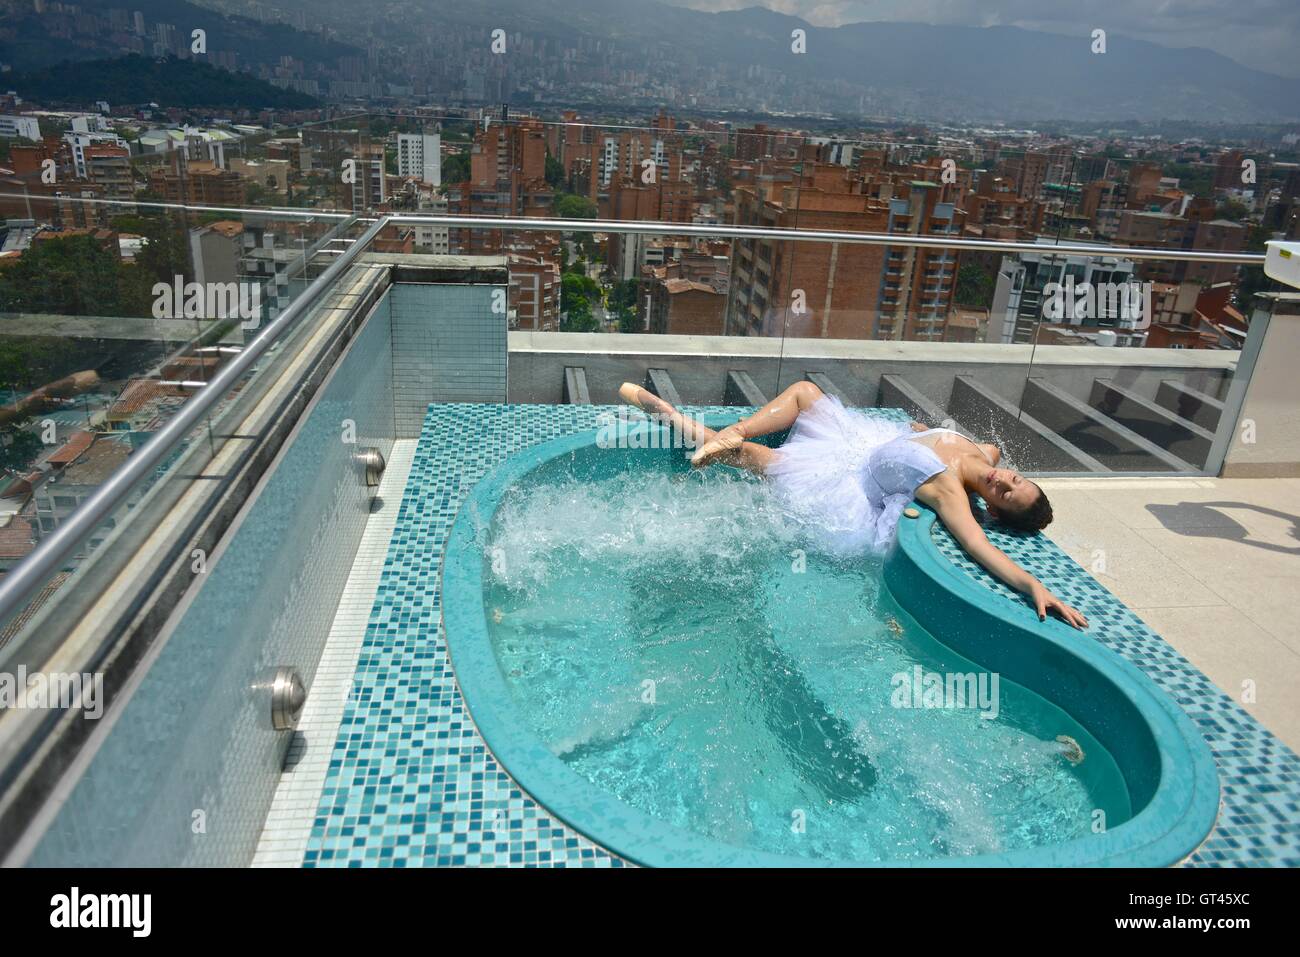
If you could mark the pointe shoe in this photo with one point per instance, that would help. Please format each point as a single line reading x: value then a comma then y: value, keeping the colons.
x: 630, y: 393
x: 727, y: 440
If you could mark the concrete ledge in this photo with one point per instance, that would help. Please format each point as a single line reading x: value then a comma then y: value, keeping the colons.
x: 660, y: 383
x: 645, y: 344
x: 897, y: 392
x: 740, y: 390
x: 699, y: 365
x: 418, y: 268
x: 1095, y: 432
x: 1190, y: 404
x: 823, y: 382
x: 1261, y: 470
x: 1175, y: 435
x: 1025, y: 438
x: 575, y: 386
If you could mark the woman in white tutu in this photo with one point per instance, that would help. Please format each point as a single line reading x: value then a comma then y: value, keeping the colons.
x: 851, y: 475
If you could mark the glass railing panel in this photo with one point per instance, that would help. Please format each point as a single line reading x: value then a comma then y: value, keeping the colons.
x: 1132, y: 370
x: 87, y: 392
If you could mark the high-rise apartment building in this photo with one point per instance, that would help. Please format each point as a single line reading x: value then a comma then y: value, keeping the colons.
x: 821, y: 290
x: 838, y: 290
x: 369, y: 186
x: 507, y: 178
x: 418, y: 155
x: 1157, y: 230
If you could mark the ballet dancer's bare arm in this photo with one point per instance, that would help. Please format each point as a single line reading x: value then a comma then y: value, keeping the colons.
x: 945, y: 494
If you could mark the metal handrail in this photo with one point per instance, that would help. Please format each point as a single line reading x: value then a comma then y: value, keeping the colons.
x: 48, y: 557
x: 660, y: 228
x: 269, y: 212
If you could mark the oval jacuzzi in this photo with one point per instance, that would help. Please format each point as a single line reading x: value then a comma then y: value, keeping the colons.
x: 664, y: 660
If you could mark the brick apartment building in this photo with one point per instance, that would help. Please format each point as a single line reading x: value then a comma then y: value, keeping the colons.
x: 1158, y: 230
x: 844, y: 291
x: 197, y: 183
x: 110, y: 167
x: 507, y: 178
x: 533, y: 295
x: 688, y: 296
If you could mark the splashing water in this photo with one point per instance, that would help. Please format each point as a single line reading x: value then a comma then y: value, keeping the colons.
x: 678, y: 641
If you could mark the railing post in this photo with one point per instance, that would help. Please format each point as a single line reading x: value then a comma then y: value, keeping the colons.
x: 1263, y: 440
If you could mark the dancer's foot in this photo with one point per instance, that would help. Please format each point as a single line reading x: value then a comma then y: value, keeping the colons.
x: 725, y: 441
x: 644, y: 399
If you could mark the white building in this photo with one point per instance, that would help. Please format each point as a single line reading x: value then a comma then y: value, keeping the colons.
x: 25, y: 127
x: 1030, y: 283
x: 419, y: 155
x: 79, y: 142
x: 199, y: 143
x: 433, y: 239
x: 90, y: 123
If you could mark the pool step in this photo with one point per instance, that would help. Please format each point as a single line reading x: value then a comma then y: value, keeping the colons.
x: 575, y: 386
x: 897, y: 393
x: 1023, y: 437
x: 1154, y: 422
x: 823, y: 382
x: 740, y: 390
x: 1190, y: 404
x: 661, y: 384
x: 1096, y: 433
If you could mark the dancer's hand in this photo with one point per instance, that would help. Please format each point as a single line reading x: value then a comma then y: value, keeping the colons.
x: 1045, y: 601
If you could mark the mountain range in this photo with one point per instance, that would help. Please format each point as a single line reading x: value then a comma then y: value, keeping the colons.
x: 639, y: 50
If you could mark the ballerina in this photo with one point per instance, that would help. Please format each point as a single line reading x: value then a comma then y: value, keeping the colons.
x: 851, y: 475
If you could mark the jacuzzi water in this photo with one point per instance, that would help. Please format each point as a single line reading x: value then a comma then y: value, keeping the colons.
x: 677, y: 639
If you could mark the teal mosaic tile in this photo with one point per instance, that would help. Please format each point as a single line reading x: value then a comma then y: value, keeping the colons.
x: 1259, y: 776
x: 411, y: 783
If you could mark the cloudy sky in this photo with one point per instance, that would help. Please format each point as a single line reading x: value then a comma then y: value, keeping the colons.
x: 1264, y: 34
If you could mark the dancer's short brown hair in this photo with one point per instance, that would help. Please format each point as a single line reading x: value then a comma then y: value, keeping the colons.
x: 1032, y: 518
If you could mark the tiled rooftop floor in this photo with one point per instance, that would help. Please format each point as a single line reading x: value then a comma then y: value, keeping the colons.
x: 1213, y: 565
x: 411, y: 783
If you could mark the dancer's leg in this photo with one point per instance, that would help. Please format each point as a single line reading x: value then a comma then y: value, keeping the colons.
x: 746, y: 455
x: 776, y: 416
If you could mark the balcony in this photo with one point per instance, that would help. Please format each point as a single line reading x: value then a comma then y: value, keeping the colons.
x: 286, y: 520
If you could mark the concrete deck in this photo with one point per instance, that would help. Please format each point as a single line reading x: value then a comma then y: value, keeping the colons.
x: 1213, y: 565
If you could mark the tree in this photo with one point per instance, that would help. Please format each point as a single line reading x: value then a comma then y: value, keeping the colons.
x: 164, y: 255
x: 75, y: 276
x: 573, y: 206
x: 455, y: 167
x: 625, y: 294
x: 576, y: 286
x: 1232, y: 210
x: 627, y: 320
x: 554, y: 173
x: 18, y: 447
x: 974, y: 287
x: 579, y: 317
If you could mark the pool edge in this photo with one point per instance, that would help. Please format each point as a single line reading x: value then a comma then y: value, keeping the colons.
x: 1188, y: 794
x: 635, y: 836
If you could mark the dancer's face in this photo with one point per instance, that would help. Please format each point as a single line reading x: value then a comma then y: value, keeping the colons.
x: 1008, y: 490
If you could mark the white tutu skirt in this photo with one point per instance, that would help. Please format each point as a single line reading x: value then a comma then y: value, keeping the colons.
x: 848, y: 476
